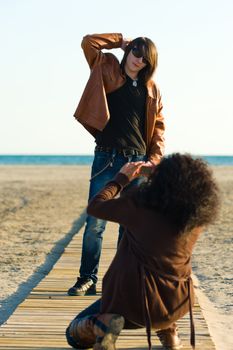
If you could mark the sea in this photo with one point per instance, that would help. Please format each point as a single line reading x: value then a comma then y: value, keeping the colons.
x: 86, y: 160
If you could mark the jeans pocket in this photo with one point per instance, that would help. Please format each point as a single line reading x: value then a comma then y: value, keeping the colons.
x: 101, y: 161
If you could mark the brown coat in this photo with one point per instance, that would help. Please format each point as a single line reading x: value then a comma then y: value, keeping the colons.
x: 151, y: 265
x: 106, y: 76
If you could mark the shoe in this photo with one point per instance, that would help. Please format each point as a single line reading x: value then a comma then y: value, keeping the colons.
x: 169, y: 338
x: 83, y: 286
x: 106, y: 338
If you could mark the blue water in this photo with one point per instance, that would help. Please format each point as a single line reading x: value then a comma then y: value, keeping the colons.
x: 83, y: 160
x: 45, y: 160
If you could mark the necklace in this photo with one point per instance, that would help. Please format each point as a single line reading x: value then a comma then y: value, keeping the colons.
x: 132, y: 81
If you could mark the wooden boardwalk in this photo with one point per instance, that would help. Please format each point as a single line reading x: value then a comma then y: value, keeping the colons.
x: 40, y: 320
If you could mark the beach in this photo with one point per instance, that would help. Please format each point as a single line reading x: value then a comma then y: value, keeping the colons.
x: 42, y: 207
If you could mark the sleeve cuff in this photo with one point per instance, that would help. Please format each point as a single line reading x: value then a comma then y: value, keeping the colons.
x: 121, y: 179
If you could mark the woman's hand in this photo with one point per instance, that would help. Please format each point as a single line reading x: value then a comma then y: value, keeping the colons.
x: 135, y: 169
x: 146, y: 168
x: 125, y: 42
x: 131, y: 170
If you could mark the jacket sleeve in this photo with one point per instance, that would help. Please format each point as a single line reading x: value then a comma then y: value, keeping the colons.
x: 105, y: 206
x: 156, y: 150
x: 93, y: 44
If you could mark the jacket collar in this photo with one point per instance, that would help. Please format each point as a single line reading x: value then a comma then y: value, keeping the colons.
x: 151, y: 88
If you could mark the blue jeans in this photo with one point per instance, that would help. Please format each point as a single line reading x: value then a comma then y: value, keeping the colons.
x: 93, y: 234
x: 94, y: 309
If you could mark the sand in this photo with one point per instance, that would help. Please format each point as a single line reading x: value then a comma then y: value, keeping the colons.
x: 42, y: 207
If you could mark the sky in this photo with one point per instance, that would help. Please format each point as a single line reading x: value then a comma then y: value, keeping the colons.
x: 43, y: 70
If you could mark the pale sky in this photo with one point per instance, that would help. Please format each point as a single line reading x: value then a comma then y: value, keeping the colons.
x: 43, y: 70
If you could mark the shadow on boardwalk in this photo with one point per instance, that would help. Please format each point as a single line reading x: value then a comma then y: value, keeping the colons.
x: 9, y: 304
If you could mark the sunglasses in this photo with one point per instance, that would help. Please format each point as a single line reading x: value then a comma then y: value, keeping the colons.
x: 138, y: 53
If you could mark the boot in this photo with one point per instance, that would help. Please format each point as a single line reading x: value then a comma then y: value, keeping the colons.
x: 99, y: 330
x: 80, y: 333
x: 169, y: 338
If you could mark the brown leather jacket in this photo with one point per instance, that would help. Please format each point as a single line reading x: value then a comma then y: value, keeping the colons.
x: 106, y: 76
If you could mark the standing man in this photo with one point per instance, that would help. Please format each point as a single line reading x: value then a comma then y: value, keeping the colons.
x: 121, y: 107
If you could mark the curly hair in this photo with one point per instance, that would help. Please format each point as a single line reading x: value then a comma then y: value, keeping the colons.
x: 183, y: 190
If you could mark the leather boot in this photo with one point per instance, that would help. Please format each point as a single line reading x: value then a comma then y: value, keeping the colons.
x: 169, y: 338
x: 100, y: 330
x: 80, y: 333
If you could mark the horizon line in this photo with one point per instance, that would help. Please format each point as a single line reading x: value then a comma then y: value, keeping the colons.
x: 92, y: 154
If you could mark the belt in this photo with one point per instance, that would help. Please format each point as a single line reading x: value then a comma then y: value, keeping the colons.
x: 124, y: 151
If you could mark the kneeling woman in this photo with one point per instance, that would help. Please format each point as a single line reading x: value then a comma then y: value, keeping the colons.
x: 148, y: 283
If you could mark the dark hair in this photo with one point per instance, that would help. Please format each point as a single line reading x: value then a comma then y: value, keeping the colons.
x: 183, y: 190
x: 151, y: 55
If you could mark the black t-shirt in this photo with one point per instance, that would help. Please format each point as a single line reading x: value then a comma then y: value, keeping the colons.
x: 126, y: 126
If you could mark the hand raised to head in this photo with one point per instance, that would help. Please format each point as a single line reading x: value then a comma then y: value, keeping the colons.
x: 125, y: 42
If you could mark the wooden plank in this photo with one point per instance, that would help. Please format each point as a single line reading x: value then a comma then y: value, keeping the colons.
x: 40, y: 321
